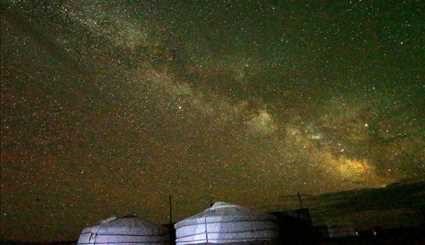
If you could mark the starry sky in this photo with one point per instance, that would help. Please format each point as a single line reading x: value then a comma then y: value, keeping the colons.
x: 108, y: 107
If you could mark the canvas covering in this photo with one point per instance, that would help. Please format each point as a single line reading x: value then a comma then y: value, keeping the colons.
x: 226, y: 223
x: 124, y: 230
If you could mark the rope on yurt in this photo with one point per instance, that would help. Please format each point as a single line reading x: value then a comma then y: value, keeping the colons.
x: 206, y: 229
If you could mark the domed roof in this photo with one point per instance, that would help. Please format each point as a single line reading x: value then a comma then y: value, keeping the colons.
x: 226, y: 223
x: 223, y: 211
x: 126, y: 229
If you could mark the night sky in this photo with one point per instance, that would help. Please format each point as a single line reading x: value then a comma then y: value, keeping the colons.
x: 107, y: 107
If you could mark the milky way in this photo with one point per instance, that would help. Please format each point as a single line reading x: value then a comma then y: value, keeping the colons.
x: 110, y: 107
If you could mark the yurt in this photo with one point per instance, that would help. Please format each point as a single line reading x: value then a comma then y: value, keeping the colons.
x: 226, y: 223
x: 124, y: 230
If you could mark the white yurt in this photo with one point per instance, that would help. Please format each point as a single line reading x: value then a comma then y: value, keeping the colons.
x: 124, y: 230
x: 227, y: 223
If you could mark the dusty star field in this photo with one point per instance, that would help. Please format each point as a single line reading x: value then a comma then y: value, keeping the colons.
x: 107, y: 107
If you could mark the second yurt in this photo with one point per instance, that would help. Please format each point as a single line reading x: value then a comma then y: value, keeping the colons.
x: 124, y: 230
x: 226, y: 223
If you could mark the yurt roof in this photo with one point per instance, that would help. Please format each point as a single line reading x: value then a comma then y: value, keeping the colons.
x: 224, y: 212
x: 129, y: 224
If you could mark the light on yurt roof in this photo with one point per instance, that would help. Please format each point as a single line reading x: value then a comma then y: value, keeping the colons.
x: 227, y: 223
x: 126, y: 229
